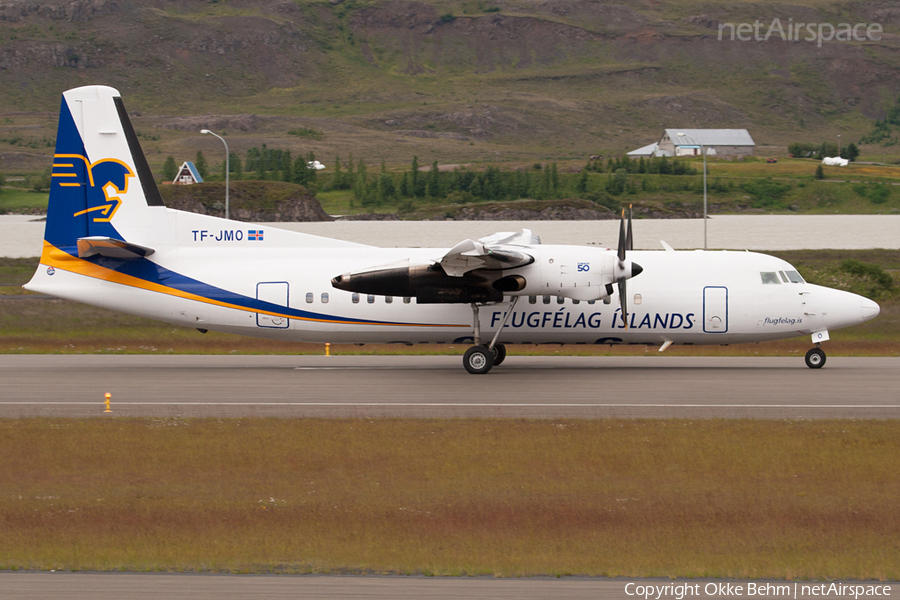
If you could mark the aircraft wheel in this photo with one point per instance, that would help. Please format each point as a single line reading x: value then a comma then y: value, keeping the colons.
x: 815, y: 358
x: 499, y: 354
x: 478, y: 360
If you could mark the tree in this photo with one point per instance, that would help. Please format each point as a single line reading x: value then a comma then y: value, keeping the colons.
x: 200, y: 163
x: 234, y: 163
x: 39, y: 183
x: 360, y: 185
x: 170, y: 169
x: 311, y: 175
x: 301, y: 170
x: 337, y: 181
x: 851, y: 152
x: 414, y: 176
x: 820, y: 172
x: 582, y: 182
x: 433, y: 182
x: 287, y: 167
x: 405, y: 189
x: 261, y: 163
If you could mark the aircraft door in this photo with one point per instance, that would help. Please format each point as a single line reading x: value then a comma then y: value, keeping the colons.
x: 715, y: 309
x: 275, y: 293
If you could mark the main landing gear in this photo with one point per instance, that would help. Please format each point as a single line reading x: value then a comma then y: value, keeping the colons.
x: 479, y: 359
x: 815, y: 358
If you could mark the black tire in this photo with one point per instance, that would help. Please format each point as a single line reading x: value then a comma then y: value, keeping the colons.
x: 478, y: 360
x: 815, y: 358
x: 499, y: 354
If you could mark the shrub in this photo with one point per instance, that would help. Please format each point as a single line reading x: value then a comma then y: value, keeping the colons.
x: 766, y: 192
x: 879, y: 194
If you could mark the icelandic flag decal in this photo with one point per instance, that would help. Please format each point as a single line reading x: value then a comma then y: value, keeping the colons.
x: 255, y: 235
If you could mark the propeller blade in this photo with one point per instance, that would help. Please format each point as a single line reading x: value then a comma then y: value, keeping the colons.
x: 622, y: 301
x: 622, y: 240
x: 629, y: 240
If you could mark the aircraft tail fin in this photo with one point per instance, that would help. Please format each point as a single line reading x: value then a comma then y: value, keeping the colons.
x: 101, y: 185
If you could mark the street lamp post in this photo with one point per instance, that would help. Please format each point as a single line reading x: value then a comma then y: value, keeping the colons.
x: 227, y: 167
x: 703, y: 152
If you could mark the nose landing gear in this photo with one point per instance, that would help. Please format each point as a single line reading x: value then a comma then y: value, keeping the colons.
x: 815, y: 358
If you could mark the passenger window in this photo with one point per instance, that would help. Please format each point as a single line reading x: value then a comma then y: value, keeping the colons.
x: 324, y: 297
x: 591, y: 301
x: 532, y: 299
x: 546, y: 299
x: 355, y: 298
x: 769, y: 278
x: 388, y: 299
x: 309, y: 297
x: 794, y: 276
x: 370, y: 299
x: 576, y: 301
x: 638, y: 299
x: 560, y: 300
x: 406, y: 299
x: 607, y: 300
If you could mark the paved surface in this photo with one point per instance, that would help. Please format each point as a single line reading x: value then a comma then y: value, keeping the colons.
x: 437, y: 386
x: 115, y: 586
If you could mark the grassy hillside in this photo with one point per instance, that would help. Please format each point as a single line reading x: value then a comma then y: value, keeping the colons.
x: 457, y: 80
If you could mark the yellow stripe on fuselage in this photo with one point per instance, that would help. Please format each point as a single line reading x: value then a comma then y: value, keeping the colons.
x: 59, y: 259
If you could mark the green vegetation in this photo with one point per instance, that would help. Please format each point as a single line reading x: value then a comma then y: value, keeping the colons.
x: 170, y: 169
x: 17, y: 200
x: 369, y: 89
x: 307, y: 133
x: 884, y: 130
x: 657, y: 498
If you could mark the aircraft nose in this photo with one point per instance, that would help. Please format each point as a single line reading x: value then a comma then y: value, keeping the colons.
x: 869, y: 309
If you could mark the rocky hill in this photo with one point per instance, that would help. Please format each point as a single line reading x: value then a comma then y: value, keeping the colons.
x: 253, y: 201
x: 509, y: 79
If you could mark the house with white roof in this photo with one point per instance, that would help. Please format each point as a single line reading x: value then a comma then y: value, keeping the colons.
x: 688, y: 142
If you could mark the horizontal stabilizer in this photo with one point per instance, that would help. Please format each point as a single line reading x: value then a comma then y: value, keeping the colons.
x: 106, y: 246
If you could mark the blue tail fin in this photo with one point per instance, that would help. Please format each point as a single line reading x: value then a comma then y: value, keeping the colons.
x: 101, y: 185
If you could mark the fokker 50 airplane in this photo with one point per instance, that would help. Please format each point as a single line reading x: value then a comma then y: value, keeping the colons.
x: 110, y: 242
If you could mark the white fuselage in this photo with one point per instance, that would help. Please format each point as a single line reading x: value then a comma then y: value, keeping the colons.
x: 278, y: 285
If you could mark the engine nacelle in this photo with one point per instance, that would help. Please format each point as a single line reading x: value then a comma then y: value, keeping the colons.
x: 428, y: 284
x: 575, y: 272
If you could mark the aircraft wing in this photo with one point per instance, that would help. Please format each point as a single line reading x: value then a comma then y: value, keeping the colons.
x: 521, y: 238
x: 106, y: 246
x: 469, y: 255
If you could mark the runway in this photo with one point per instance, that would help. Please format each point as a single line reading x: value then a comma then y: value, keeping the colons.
x: 114, y: 586
x: 438, y: 387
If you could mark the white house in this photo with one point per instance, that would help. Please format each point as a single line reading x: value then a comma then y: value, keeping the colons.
x: 688, y: 142
x: 187, y: 175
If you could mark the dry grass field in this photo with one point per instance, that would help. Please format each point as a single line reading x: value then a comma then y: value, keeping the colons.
x: 745, y: 499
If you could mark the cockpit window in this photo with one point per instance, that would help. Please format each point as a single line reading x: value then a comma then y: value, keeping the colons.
x: 769, y: 278
x: 783, y: 276
x: 794, y: 276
